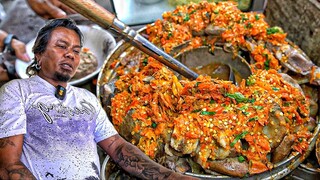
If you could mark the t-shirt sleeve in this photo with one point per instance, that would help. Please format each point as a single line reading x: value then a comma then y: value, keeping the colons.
x: 12, y: 110
x: 104, y: 128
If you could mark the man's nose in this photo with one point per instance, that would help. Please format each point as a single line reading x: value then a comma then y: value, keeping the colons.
x: 70, y: 54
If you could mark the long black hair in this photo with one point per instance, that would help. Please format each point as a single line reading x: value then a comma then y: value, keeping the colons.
x: 44, y: 35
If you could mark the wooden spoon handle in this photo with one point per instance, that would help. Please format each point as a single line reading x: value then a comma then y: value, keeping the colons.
x: 92, y: 11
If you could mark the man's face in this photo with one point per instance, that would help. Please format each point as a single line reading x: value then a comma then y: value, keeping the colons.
x: 62, y: 56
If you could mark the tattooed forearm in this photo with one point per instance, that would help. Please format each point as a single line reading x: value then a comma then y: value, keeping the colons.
x: 138, y: 164
x: 135, y: 162
x: 113, y: 140
x: 16, y: 171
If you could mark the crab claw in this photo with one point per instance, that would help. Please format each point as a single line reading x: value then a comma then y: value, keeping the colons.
x: 294, y: 59
x: 284, y: 149
x: 291, y: 81
x: 230, y: 166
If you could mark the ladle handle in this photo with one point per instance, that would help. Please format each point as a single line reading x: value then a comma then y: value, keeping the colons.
x: 105, y: 19
x: 92, y: 11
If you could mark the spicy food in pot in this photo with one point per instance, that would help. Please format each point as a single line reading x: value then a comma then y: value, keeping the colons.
x: 217, y: 124
x: 212, y: 123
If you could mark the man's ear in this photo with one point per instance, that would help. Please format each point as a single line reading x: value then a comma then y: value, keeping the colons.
x: 37, y: 56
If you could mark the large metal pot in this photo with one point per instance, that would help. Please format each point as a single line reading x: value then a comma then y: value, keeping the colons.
x: 105, y: 93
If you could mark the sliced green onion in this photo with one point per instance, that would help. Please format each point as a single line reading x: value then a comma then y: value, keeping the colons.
x: 241, y: 159
x: 186, y: 18
x: 197, y: 110
x: 275, y: 89
x: 238, y: 137
x: 267, y: 64
x: 207, y: 113
x: 257, y: 17
x: 253, y: 119
x: 245, y: 112
x: 258, y: 107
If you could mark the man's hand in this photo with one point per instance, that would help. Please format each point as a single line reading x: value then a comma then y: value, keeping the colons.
x: 20, y: 50
x: 50, y: 9
x: 18, y: 46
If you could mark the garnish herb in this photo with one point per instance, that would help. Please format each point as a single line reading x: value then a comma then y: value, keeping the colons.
x: 267, y: 64
x: 275, y: 89
x: 238, y: 137
x: 257, y: 17
x: 145, y: 61
x: 197, y: 110
x: 258, y: 107
x: 250, y: 81
x: 241, y: 159
x: 237, y: 96
x: 253, y: 119
x: 207, y: 113
x: 186, y: 18
x: 273, y: 30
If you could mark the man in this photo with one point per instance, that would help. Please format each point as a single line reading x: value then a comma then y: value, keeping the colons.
x: 49, y: 129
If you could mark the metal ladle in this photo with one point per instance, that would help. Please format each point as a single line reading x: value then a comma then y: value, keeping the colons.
x: 105, y: 19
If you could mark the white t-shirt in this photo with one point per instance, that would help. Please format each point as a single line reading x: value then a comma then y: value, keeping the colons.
x: 60, y: 136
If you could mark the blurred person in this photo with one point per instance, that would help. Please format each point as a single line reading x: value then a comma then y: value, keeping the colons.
x: 11, y: 45
x: 50, y: 9
x: 50, y: 129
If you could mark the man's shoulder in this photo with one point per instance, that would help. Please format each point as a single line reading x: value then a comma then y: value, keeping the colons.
x: 15, y: 82
x: 26, y: 83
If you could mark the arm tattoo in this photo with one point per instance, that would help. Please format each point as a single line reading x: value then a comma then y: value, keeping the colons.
x: 131, y: 159
x: 14, y: 170
x: 113, y: 140
x: 18, y: 171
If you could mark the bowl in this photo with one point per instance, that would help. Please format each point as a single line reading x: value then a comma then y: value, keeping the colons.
x: 100, y: 42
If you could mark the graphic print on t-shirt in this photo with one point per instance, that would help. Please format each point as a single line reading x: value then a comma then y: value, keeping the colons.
x: 84, y: 108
